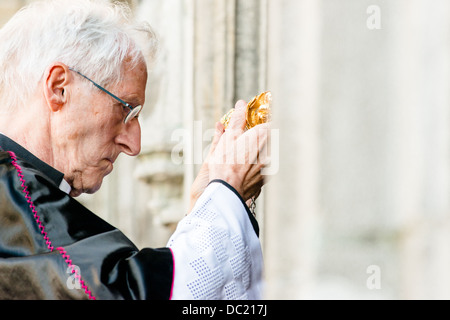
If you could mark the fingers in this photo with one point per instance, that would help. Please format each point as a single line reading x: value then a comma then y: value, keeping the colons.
x: 238, y: 118
x: 254, y: 143
x: 263, y: 132
x: 219, y: 130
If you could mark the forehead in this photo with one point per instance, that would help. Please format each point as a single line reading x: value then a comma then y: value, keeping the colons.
x: 133, y: 82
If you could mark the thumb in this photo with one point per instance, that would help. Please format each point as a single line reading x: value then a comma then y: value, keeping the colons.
x: 219, y: 130
x: 238, y: 118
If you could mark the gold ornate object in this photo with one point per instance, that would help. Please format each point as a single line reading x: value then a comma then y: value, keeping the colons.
x: 258, y: 111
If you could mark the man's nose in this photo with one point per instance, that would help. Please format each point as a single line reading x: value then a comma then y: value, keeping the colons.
x: 130, y: 138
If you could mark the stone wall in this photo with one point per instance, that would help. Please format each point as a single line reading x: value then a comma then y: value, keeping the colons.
x: 360, y: 206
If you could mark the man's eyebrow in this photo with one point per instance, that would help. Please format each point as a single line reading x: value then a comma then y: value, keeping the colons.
x: 132, y: 99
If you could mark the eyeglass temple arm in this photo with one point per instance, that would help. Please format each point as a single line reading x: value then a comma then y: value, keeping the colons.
x: 103, y: 89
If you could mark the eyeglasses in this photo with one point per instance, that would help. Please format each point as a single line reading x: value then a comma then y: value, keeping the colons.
x: 134, y: 111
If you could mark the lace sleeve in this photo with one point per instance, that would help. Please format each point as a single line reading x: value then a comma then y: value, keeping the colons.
x: 216, y: 251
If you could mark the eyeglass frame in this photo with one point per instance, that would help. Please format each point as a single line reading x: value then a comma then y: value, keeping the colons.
x: 134, y: 111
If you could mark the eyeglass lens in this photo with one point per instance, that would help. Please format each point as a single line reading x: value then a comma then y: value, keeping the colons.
x: 133, y: 113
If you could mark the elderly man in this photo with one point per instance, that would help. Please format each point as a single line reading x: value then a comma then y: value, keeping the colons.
x: 72, y: 83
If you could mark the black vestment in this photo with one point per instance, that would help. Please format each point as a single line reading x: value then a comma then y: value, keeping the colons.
x: 52, y: 247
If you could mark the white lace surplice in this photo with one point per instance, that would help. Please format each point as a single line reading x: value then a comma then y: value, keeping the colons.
x: 216, y: 251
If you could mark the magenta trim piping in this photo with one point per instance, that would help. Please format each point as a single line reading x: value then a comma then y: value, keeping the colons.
x: 77, y: 275
x: 61, y: 250
x: 30, y: 202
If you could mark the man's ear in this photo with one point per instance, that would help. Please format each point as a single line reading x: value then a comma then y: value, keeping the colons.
x: 56, y: 79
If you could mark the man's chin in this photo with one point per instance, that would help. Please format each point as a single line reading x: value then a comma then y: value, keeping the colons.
x: 90, y: 190
x: 75, y: 193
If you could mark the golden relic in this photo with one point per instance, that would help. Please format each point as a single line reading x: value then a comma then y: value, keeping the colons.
x: 258, y: 111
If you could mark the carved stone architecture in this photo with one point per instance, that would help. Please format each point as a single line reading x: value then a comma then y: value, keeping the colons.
x: 359, y: 206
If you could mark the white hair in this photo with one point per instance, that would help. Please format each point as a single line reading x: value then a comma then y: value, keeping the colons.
x: 94, y: 37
